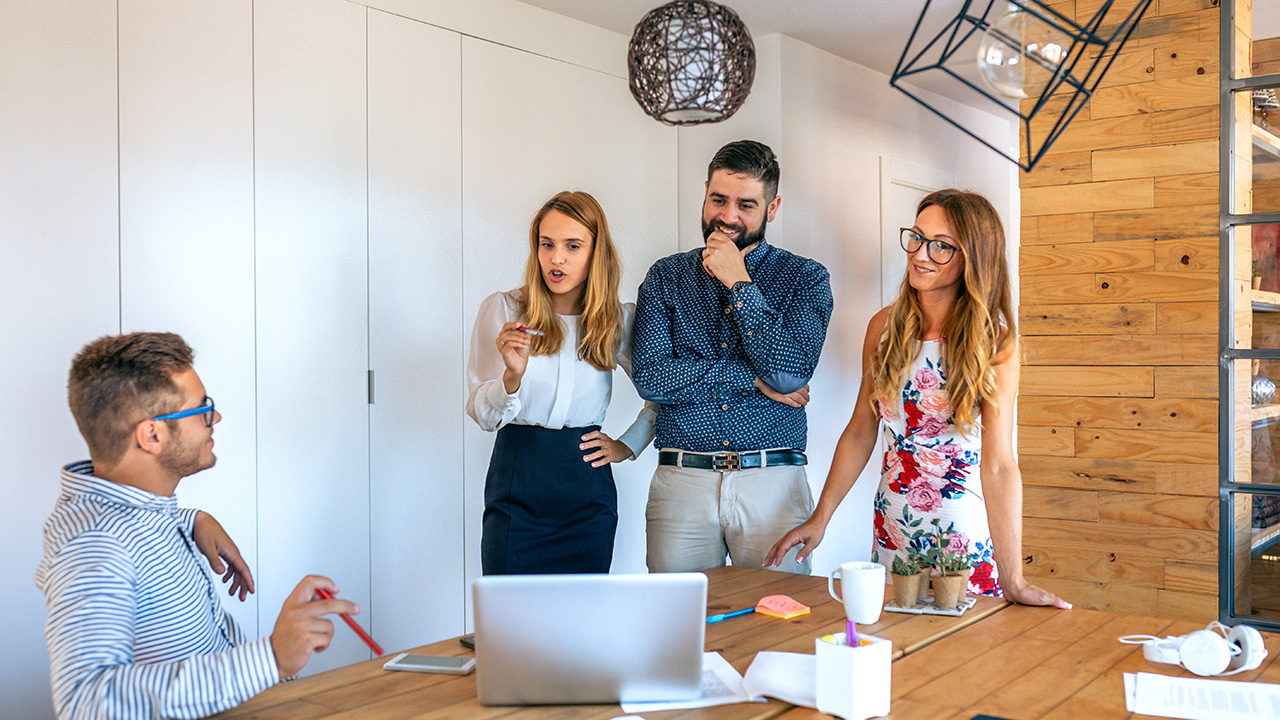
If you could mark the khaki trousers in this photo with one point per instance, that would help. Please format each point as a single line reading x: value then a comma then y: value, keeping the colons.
x: 695, y: 518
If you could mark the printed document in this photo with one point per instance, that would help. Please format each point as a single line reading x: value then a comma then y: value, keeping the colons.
x: 1200, y: 698
x: 721, y: 685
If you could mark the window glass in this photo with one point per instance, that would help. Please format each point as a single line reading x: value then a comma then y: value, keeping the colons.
x: 1257, y: 556
x: 1262, y: 178
x: 1265, y: 58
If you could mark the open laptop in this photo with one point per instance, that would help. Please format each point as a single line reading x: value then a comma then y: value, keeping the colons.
x: 561, y: 639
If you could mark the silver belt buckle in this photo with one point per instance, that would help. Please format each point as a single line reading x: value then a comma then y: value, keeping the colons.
x: 726, y: 462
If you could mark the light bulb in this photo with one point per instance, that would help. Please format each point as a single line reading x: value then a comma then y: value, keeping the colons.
x: 701, y: 82
x: 1020, y: 54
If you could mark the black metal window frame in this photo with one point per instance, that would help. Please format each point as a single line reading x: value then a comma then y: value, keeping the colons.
x: 1228, y: 489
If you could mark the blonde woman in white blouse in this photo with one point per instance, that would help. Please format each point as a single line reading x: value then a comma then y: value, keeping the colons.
x: 540, y: 372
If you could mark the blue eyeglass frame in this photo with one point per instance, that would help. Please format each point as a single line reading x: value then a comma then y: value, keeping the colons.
x: 208, y: 407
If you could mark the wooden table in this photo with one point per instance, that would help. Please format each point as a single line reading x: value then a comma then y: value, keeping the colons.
x: 365, y: 691
x: 1003, y: 660
x: 1025, y: 663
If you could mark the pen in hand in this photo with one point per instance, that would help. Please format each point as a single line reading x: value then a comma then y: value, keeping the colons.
x: 363, y: 636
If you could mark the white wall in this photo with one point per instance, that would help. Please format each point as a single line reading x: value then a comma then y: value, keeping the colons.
x: 281, y: 181
x: 415, y: 330
x: 186, y: 221
x: 59, y: 151
x: 301, y: 215
x: 1266, y: 20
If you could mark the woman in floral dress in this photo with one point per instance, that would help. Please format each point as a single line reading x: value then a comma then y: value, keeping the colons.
x: 941, y: 375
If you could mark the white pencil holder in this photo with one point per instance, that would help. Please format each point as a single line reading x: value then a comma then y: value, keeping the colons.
x: 853, y: 682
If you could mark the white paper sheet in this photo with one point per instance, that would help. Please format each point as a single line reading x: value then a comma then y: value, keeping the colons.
x: 1202, y: 699
x: 789, y: 677
x: 721, y: 685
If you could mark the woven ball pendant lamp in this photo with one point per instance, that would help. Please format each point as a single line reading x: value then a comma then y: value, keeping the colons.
x: 691, y: 62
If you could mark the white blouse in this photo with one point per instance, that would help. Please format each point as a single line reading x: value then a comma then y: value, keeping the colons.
x: 557, y: 391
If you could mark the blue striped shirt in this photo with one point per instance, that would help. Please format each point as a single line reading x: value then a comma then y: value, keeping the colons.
x: 698, y: 348
x: 135, y: 626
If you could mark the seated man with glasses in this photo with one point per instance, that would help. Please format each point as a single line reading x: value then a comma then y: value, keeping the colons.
x: 135, y: 628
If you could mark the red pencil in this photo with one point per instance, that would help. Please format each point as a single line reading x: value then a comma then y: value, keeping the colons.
x: 368, y: 640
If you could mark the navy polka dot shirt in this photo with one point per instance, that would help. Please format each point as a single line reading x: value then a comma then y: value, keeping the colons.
x: 698, y: 348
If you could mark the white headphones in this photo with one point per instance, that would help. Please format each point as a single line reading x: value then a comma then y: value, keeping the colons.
x: 1216, y: 650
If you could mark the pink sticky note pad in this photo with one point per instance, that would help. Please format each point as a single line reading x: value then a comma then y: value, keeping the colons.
x: 781, y: 606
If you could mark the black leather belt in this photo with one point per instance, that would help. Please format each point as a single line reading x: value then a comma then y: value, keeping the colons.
x: 730, y: 461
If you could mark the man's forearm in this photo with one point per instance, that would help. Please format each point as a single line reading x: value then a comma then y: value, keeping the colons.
x: 782, y: 348
x: 195, y: 687
x: 673, y: 381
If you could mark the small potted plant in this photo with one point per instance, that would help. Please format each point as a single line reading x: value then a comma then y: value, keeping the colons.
x: 906, y: 579
x: 1257, y: 277
x: 950, y: 557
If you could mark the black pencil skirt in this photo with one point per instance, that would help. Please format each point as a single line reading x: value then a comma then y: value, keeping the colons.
x: 545, y: 510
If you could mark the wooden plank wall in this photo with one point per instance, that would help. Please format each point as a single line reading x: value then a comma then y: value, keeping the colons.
x: 1118, y: 412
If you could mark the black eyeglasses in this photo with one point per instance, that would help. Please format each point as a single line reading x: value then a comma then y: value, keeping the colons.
x: 207, y: 407
x: 938, y: 251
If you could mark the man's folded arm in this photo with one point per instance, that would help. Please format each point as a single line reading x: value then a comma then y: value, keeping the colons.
x: 661, y: 377
x: 783, y: 347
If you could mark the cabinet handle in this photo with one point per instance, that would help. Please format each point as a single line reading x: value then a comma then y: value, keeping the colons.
x: 371, y: 387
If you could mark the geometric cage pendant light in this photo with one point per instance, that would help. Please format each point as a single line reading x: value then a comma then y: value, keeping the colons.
x: 1016, y: 58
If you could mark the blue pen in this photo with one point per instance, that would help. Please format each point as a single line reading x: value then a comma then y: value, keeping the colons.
x: 726, y: 616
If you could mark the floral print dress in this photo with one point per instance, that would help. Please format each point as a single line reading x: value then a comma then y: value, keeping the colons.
x: 930, y: 471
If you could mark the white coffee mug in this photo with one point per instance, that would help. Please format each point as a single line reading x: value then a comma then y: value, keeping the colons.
x: 862, y: 584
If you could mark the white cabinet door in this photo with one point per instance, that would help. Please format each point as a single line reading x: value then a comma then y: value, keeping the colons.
x: 312, y: 305
x: 186, y: 225
x: 532, y: 127
x: 59, y: 284
x: 416, y: 341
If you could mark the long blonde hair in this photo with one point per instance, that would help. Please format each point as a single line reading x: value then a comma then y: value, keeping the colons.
x: 601, y: 318
x: 980, y: 326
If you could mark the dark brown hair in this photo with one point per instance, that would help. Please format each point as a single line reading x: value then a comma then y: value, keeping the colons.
x: 117, y: 381
x: 753, y: 159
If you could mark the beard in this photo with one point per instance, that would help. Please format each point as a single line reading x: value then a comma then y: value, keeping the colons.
x: 743, y: 240
x: 183, y: 459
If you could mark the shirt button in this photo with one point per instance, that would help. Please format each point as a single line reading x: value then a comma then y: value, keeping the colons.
x: 713, y: 397
x: 728, y: 310
x: 725, y: 443
x: 739, y: 304
x: 746, y: 392
x: 724, y: 345
x: 748, y: 332
x: 724, y: 407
